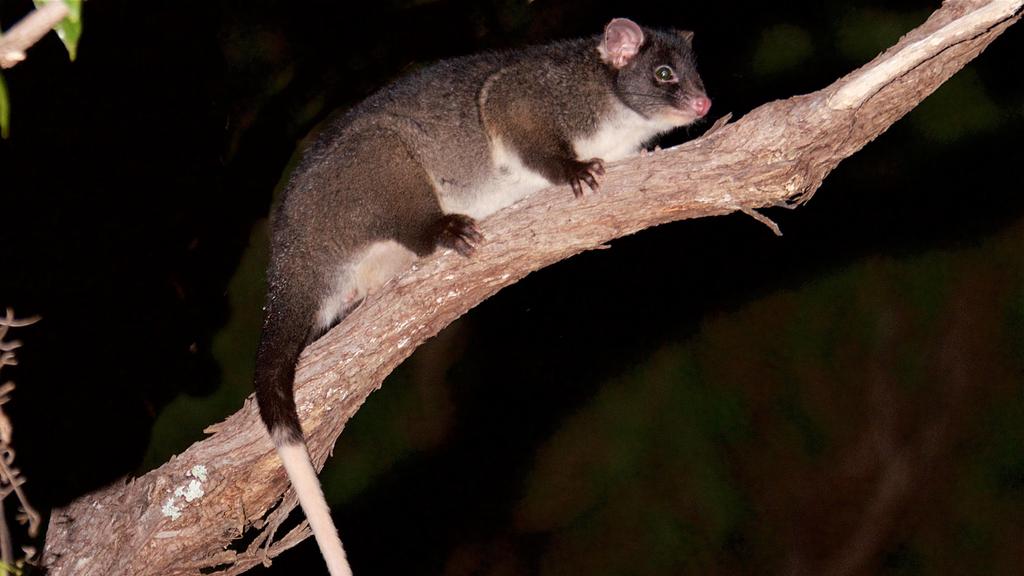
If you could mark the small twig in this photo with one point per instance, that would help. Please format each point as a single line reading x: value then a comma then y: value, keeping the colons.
x: 9, y: 321
x: 10, y: 478
x: 761, y: 218
x: 719, y: 124
x: 31, y: 516
x: 30, y: 30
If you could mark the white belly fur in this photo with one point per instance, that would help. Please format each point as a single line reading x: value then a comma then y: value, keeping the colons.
x: 510, y: 182
x: 620, y: 136
x: 378, y: 263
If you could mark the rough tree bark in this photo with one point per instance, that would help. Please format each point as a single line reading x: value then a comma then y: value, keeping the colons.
x: 184, y: 516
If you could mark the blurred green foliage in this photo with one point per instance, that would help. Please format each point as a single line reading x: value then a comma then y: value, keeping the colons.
x: 782, y: 48
x: 615, y: 471
x: 863, y: 33
x: 666, y: 469
x: 5, y: 110
x: 960, y: 108
x: 182, y: 421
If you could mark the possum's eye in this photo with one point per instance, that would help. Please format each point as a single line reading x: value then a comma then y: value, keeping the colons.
x: 664, y: 74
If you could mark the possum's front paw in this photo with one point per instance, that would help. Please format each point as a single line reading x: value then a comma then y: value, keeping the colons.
x: 458, y: 232
x: 578, y: 172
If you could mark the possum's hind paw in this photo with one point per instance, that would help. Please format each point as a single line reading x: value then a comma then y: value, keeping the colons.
x: 459, y: 232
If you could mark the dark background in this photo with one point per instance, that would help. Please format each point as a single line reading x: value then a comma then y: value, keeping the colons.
x: 702, y: 398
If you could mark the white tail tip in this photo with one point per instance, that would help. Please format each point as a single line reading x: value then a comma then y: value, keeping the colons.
x: 300, y: 470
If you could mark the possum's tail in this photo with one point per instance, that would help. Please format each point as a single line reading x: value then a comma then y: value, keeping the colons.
x: 286, y: 329
x: 300, y: 471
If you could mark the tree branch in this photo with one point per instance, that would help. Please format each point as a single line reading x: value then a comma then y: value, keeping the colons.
x: 777, y: 155
x: 28, y: 31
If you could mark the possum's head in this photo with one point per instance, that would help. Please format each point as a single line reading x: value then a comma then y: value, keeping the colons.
x: 655, y: 72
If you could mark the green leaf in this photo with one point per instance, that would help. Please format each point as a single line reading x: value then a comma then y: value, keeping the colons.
x: 69, y: 30
x: 5, y: 110
x: 782, y: 48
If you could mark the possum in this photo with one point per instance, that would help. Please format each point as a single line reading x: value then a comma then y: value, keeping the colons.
x: 413, y: 168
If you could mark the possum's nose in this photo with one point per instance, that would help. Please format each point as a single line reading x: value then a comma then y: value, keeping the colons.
x: 700, y: 105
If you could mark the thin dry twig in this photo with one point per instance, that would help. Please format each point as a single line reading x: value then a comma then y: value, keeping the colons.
x: 771, y: 224
x: 11, y: 478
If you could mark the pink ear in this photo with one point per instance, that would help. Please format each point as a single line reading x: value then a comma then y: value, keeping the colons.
x: 622, y: 40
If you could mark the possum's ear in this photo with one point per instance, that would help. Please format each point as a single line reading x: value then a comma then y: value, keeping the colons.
x: 687, y: 36
x: 621, y: 42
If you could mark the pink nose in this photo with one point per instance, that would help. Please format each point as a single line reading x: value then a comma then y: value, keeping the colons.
x: 701, y: 105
